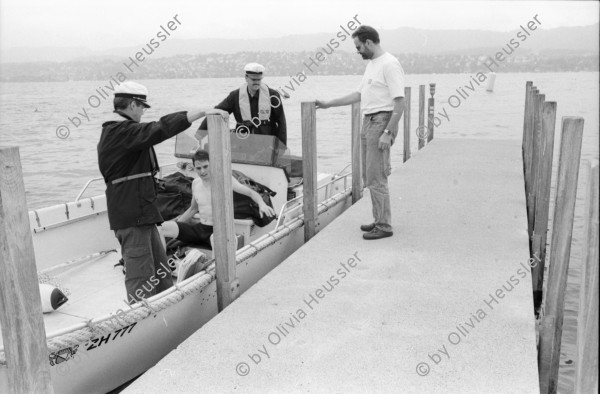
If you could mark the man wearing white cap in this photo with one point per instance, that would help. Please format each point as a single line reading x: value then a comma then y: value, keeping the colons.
x: 128, y: 164
x: 257, y: 108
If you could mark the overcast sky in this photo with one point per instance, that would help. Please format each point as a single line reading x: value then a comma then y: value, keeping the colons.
x: 109, y: 23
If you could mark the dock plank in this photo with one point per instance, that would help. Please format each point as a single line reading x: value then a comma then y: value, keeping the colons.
x: 452, y: 280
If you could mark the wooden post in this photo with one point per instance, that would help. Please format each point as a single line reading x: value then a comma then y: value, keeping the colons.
x: 586, y: 366
x: 406, y: 155
x: 23, y: 332
x: 529, y: 148
x: 421, y: 116
x: 526, y: 134
x: 566, y: 185
x: 527, y: 154
x: 430, y: 113
x: 538, y: 103
x: 356, y: 154
x: 542, y: 201
x: 309, y: 168
x: 225, y: 242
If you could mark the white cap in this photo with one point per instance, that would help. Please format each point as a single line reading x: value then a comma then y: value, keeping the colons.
x: 253, y: 68
x: 133, y: 90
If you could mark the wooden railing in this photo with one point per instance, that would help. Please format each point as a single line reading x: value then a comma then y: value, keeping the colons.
x: 424, y: 132
x: 309, y: 149
x: 586, y: 367
x: 222, y: 204
x: 538, y: 146
x: 23, y: 333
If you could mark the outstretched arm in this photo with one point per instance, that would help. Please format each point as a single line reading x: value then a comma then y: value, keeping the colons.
x: 338, y: 102
x: 196, y: 114
x: 263, y: 208
x: 227, y: 105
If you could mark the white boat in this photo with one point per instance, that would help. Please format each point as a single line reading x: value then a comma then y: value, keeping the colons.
x: 96, y: 342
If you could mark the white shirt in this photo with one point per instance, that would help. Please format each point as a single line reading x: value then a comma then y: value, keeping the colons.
x: 382, y: 82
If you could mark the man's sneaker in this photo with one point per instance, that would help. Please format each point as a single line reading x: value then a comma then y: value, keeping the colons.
x: 377, y: 234
x: 367, y: 227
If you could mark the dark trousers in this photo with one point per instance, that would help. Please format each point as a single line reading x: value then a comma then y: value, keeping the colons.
x: 147, y: 270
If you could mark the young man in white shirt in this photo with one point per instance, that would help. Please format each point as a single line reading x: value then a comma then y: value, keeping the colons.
x: 381, y: 93
x: 201, y: 204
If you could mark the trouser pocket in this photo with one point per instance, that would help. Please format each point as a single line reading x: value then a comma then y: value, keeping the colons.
x: 138, y: 261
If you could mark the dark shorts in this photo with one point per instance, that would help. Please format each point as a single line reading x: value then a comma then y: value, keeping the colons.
x: 194, y: 233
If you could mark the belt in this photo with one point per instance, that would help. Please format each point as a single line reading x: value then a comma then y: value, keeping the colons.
x: 130, y: 177
x: 377, y: 113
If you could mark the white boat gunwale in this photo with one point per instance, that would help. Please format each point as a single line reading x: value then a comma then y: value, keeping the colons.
x: 282, y: 230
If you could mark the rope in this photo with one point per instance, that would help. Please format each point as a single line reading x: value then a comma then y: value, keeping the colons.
x: 145, y: 309
x: 116, y: 322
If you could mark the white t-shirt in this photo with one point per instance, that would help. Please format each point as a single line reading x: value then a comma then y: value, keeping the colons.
x: 382, y: 82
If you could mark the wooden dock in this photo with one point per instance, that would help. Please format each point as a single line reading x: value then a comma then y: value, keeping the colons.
x: 445, y: 305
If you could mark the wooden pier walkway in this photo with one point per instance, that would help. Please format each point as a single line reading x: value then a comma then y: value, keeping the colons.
x: 445, y: 305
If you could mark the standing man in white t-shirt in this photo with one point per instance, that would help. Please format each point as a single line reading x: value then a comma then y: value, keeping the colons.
x: 381, y: 93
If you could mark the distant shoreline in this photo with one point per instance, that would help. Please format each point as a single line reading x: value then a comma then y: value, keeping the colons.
x: 286, y: 64
x: 327, y: 75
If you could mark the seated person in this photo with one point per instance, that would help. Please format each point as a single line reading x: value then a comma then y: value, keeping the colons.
x: 202, y: 204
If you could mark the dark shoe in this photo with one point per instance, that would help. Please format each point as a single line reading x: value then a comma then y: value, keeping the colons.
x: 377, y: 234
x: 367, y: 227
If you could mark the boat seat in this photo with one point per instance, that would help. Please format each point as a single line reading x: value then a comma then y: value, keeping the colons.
x: 243, y: 228
x: 209, y: 252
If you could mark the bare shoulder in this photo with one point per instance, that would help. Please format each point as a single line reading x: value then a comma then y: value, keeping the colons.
x: 197, y: 185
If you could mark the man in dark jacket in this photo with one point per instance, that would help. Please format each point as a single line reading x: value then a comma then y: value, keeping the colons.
x: 257, y: 108
x: 128, y: 164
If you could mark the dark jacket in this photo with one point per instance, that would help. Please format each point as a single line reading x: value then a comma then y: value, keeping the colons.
x: 275, y: 126
x: 125, y: 149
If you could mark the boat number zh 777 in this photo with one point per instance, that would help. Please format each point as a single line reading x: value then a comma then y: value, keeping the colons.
x: 97, y: 342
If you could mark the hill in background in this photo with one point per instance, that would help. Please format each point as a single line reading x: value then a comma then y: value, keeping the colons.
x: 582, y: 39
x: 419, y: 51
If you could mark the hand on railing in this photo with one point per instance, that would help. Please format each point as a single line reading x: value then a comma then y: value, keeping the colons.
x: 322, y: 104
x: 216, y: 111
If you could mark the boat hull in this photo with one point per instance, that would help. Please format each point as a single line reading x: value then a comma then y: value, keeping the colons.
x: 113, y: 357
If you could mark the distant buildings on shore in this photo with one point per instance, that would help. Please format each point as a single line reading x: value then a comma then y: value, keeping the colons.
x: 287, y: 64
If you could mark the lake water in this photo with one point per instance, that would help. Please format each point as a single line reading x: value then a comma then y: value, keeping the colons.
x: 55, y: 169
